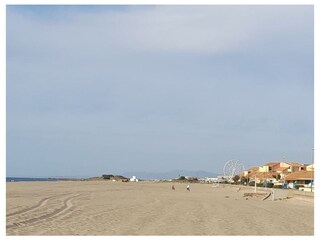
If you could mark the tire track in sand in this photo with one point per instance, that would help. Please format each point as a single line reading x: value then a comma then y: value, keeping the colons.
x: 40, y: 204
x: 67, y: 204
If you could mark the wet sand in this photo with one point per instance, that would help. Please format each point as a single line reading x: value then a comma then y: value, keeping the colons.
x: 150, y: 208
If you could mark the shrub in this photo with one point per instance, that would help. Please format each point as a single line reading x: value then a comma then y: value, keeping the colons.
x: 297, y: 186
x: 251, y: 184
x: 107, y: 176
x: 182, y: 178
x: 269, y: 185
x: 236, y: 178
x: 258, y: 184
x: 243, y: 180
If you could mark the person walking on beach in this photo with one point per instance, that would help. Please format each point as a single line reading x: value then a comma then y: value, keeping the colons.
x: 173, y: 188
x: 188, y: 188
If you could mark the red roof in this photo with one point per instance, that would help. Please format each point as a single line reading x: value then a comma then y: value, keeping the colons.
x: 262, y: 175
x: 300, y: 175
x: 281, y: 169
x: 294, y: 164
x: 253, y: 169
x: 271, y: 164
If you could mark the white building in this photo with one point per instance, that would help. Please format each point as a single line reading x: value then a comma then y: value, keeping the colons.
x: 134, y: 179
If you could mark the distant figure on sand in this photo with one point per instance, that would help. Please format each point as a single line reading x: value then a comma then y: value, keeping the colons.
x: 173, y: 188
x: 188, y: 188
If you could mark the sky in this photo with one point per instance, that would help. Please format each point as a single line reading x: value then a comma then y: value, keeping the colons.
x: 110, y: 89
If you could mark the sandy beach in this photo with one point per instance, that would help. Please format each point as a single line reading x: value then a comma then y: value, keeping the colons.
x: 150, y: 208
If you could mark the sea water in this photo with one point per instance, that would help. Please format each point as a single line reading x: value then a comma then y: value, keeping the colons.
x: 21, y: 179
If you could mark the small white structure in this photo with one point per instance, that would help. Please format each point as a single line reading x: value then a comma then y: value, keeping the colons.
x: 134, y: 179
x: 221, y: 179
x: 209, y: 179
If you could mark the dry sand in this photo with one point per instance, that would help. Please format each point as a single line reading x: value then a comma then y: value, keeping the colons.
x: 149, y: 208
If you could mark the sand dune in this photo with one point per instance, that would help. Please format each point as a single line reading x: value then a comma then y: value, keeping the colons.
x: 148, y: 208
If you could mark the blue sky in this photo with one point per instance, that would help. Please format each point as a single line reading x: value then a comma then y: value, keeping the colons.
x: 110, y: 89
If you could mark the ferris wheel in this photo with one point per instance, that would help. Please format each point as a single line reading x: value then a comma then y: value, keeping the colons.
x: 232, y: 168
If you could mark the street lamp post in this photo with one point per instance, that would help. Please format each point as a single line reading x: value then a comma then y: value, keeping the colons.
x: 284, y: 174
x: 255, y: 183
x: 312, y: 170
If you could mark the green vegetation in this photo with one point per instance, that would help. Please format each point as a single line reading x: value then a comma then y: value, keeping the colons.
x: 236, y: 178
x: 107, y: 176
x: 243, y: 180
x: 184, y: 179
x: 297, y: 186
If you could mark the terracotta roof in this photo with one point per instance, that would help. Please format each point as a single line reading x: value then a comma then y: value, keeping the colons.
x: 295, y: 164
x: 271, y: 163
x: 281, y: 169
x: 300, y: 175
x: 262, y: 175
x: 253, y: 169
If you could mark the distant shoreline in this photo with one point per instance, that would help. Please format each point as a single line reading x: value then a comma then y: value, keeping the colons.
x: 26, y: 179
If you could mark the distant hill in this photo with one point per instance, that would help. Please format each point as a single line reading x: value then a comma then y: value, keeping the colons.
x: 169, y: 175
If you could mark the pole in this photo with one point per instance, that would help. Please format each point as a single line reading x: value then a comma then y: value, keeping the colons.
x: 265, y: 178
x: 284, y: 175
x: 312, y: 169
x: 255, y: 183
